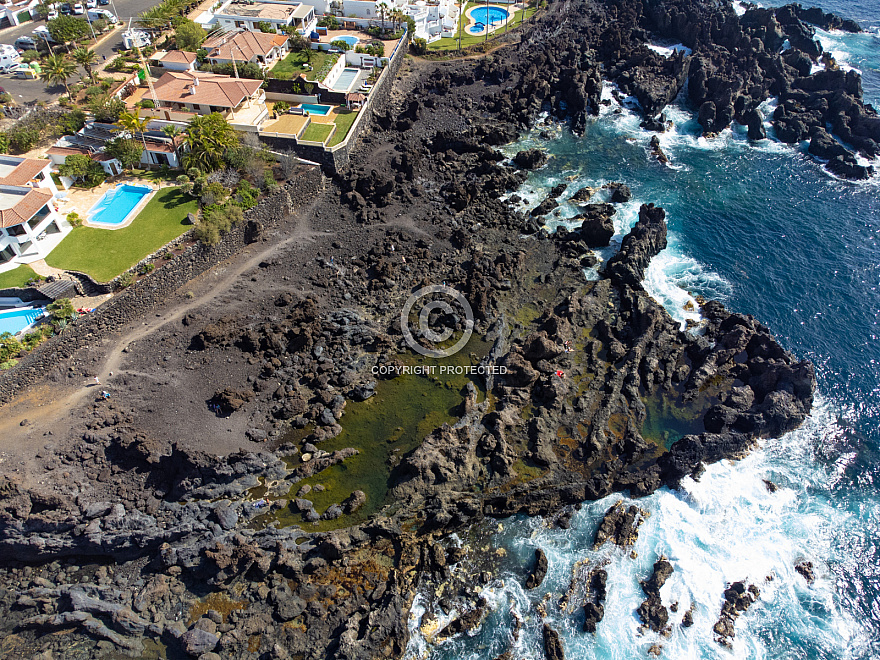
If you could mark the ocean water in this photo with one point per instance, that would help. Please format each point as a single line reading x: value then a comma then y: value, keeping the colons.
x: 764, y: 229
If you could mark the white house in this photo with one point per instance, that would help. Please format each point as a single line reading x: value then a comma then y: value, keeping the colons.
x: 248, y: 15
x: 433, y: 18
x: 174, y: 60
x: 30, y: 226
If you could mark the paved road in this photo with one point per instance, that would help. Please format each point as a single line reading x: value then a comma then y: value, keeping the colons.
x: 34, y: 90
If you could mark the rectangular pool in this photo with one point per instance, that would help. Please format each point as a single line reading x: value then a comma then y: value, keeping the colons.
x: 346, y: 78
x: 14, y: 321
x: 313, y: 109
x: 116, y: 204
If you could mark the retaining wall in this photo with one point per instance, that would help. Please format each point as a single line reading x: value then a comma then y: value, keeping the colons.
x: 150, y: 292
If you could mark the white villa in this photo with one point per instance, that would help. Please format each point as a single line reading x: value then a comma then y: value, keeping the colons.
x: 247, y: 15
x: 434, y: 18
x: 30, y: 226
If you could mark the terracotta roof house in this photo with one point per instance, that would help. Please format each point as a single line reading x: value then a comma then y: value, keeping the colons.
x: 174, y: 60
x: 240, y: 100
x: 30, y: 226
x: 248, y: 15
x: 243, y: 46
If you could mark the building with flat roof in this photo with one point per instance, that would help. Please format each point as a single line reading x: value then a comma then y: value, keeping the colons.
x: 281, y: 16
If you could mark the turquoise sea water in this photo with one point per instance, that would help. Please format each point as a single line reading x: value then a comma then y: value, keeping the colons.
x: 763, y: 228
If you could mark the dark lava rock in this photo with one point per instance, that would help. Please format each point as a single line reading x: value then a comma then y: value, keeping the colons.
x: 737, y: 599
x: 539, y: 572
x: 594, y: 606
x: 583, y: 195
x: 544, y: 207
x: 619, y: 525
x: 621, y: 193
x: 597, y: 228
x: 755, y: 122
x: 466, y: 622
x: 652, y: 611
x: 553, y: 649
x: 196, y: 642
x: 530, y: 159
x: 643, y: 243
x: 229, y: 399
x: 805, y: 568
x: 354, y: 501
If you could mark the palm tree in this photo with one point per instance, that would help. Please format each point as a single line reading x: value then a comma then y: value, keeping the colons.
x: 208, y: 137
x: 460, y: 23
x: 382, y: 8
x: 58, y: 69
x: 132, y: 124
x: 86, y: 59
x: 397, y: 17
x: 171, y: 130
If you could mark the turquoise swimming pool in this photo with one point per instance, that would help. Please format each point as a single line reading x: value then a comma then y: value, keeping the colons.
x: 116, y: 204
x: 482, y: 15
x: 14, y: 321
x: 314, y: 109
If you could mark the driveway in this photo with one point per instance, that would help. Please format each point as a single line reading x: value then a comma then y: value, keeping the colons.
x: 24, y: 91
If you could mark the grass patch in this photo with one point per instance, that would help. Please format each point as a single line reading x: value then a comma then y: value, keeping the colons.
x: 104, y: 253
x: 294, y: 64
x: 17, y: 277
x: 343, y: 122
x: 450, y: 44
x: 317, y: 132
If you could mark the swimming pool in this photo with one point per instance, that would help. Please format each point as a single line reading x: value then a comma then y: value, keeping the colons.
x: 116, y: 204
x: 487, y: 15
x: 15, y: 320
x: 316, y: 109
x: 346, y: 78
x: 349, y: 39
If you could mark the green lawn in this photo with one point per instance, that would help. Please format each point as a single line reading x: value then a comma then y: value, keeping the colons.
x: 17, y: 277
x: 343, y: 122
x: 293, y: 65
x: 106, y: 253
x: 467, y: 40
x: 317, y: 132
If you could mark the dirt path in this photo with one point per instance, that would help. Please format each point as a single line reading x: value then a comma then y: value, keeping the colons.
x: 51, y: 409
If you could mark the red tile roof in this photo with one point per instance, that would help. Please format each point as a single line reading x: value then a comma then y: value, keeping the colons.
x: 24, y: 172
x: 178, y: 57
x: 212, y: 89
x: 243, y: 44
x: 25, y: 209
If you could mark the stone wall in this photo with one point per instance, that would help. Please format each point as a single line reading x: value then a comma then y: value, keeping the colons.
x: 335, y: 159
x: 151, y: 291
x: 28, y: 294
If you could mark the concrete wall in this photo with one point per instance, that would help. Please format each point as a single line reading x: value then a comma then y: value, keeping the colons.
x: 152, y: 291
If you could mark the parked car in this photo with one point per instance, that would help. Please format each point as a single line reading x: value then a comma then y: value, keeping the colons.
x: 42, y: 32
x: 65, y: 9
x: 11, y: 67
x: 103, y: 3
x: 78, y: 9
x: 25, y: 43
x: 52, y: 15
x: 25, y: 72
x: 91, y: 4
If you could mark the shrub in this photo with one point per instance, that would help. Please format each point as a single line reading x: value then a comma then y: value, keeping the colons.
x: 419, y: 46
x: 74, y: 219
x: 61, y: 310
x: 269, y: 179
x: 23, y: 138
x: 106, y: 108
x: 265, y: 26
x: 341, y: 45
x: 147, y: 103
x: 146, y: 269
x: 4, y: 143
x: 125, y: 280
x: 70, y: 122
x: 29, y: 56
x: 93, y: 91
x: 81, y: 168
x: 329, y: 22
x: 246, y: 195
x: 10, y: 348
x: 281, y: 107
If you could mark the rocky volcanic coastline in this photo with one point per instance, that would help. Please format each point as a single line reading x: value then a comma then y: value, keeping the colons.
x: 139, y: 541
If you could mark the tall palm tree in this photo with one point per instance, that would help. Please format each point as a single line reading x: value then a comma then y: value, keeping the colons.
x: 208, y: 137
x: 86, y: 59
x: 171, y: 130
x: 382, y: 8
x: 132, y: 124
x: 58, y: 69
x: 460, y: 22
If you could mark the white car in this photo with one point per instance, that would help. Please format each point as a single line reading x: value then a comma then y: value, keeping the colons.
x: 78, y: 9
x: 52, y: 15
x: 11, y: 68
x: 91, y: 4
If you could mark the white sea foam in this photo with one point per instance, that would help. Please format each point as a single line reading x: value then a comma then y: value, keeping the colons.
x: 667, y: 51
x: 725, y: 528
